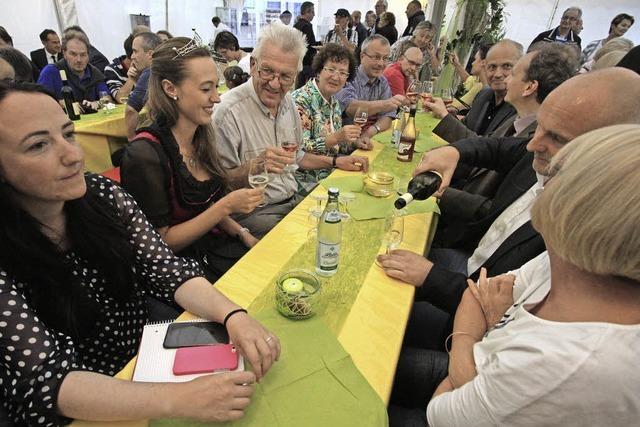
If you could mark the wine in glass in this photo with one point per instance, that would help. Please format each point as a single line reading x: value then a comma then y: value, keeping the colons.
x: 413, y: 90
x: 258, y: 175
x: 426, y: 94
x: 447, y: 96
x: 361, y: 117
x: 393, y: 233
x: 290, y: 144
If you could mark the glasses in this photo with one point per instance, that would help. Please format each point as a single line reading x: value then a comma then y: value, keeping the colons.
x: 569, y: 18
x: 378, y: 57
x: 414, y: 63
x: 333, y: 72
x: 268, y: 75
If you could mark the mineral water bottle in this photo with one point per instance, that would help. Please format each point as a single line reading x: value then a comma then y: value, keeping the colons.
x: 329, y: 237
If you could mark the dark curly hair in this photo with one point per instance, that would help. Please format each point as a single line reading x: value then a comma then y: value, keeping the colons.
x: 337, y: 53
x: 551, y: 66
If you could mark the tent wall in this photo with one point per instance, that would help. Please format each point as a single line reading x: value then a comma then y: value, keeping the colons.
x: 107, y: 22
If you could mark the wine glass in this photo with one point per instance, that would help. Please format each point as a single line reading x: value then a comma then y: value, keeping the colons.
x: 361, y: 117
x: 104, y: 101
x: 290, y: 144
x: 346, y: 198
x: 258, y: 176
x: 426, y: 94
x: 413, y: 90
x: 447, y: 96
x: 393, y: 233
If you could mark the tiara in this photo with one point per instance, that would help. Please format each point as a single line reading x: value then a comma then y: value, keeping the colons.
x: 195, y: 43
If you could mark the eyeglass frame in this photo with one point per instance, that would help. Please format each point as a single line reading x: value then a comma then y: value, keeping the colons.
x: 377, y: 57
x: 333, y: 72
x: 414, y: 63
x: 288, y: 80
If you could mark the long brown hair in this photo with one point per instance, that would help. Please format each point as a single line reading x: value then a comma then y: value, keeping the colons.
x: 168, y: 64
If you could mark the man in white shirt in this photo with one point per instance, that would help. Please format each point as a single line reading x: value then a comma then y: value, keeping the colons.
x: 227, y: 45
x: 218, y: 27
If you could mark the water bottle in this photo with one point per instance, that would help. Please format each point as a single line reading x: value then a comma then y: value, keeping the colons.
x: 329, y: 236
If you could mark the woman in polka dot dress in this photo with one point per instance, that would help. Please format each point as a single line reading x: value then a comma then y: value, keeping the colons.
x: 77, y: 260
x: 172, y: 168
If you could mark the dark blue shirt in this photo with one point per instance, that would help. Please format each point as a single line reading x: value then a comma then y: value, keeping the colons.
x: 138, y: 95
x: 87, y: 87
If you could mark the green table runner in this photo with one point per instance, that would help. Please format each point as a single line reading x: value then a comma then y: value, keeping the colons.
x: 315, y: 383
x: 425, y: 123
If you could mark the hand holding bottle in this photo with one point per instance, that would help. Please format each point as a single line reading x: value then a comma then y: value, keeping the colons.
x: 443, y: 160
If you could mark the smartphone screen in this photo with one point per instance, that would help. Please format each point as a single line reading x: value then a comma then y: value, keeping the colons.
x: 189, y: 334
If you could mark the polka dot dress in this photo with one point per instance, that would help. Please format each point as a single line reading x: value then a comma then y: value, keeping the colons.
x: 34, y: 359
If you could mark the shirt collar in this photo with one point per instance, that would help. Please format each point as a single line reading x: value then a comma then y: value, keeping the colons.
x: 363, y: 79
x: 314, y: 86
x: 521, y: 123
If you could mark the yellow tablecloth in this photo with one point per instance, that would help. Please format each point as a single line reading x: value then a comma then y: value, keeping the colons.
x: 374, y: 329
x: 99, y: 135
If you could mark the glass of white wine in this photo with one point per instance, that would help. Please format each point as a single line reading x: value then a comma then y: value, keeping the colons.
x: 104, y: 101
x: 361, y: 117
x: 393, y: 233
x: 258, y: 175
x: 413, y: 90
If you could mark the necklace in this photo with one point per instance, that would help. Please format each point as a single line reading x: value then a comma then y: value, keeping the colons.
x: 192, y: 162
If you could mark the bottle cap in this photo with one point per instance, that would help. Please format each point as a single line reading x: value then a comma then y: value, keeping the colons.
x: 333, y: 191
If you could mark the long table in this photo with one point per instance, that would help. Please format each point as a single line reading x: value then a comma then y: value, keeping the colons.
x: 373, y: 330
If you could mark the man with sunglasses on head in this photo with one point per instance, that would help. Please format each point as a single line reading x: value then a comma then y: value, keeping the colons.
x: 255, y: 118
x: 370, y: 90
x: 401, y: 73
x: 565, y: 32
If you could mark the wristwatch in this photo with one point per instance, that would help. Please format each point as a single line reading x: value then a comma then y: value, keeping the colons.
x: 375, y: 125
x: 333, y: 161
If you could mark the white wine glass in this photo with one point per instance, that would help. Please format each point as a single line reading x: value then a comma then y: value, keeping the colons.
x: 104, y: 101
x: 447, y: 96
x: 258, y: 176
x: 426, y: 94
x: 393, y: 233
x: 361, y: 117
x: 346, y: 198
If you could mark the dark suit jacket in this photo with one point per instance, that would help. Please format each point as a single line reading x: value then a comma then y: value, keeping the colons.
x: 474, y: 199
x: 417, y: 18
x: 451, y: 129
x: 444, y: 288
x: 39, y: 58
x: 507, y: 156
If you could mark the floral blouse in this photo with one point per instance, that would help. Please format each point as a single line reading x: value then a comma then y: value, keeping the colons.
x: 319, y: 117
x: 36, y: 358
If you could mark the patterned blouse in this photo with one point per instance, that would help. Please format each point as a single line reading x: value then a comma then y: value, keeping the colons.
x: 319, y: 118
x: 36, y: 358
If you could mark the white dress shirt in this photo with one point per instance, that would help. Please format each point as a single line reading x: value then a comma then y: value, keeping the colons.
x: 516, y: 215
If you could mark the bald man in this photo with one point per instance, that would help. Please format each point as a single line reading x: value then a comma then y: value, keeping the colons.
x: 401, y: 73
x: 564, y: 115
x: 489, y: 110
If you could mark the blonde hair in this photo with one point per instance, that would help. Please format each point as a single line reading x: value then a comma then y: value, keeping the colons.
x: 611, y: 59
x: 589, y: 211
x: 167, y: 64
x: 619, y: 43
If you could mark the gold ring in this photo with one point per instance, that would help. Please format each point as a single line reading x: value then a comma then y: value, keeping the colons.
x: 269, y: 338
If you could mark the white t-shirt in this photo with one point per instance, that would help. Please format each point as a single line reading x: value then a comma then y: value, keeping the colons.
x: 245, y: 64
x: 535, y: 372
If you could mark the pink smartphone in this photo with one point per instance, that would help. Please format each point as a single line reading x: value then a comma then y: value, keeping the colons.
x: 205, y: 359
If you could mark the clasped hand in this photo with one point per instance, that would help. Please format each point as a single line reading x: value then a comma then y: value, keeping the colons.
x: 276, y: 158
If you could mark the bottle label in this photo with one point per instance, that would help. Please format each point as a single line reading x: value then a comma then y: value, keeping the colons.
x: 407, y: 197
x: 328, y: 256
x: 76, y: 108
x: 405, y: 151
x: 395, y: 136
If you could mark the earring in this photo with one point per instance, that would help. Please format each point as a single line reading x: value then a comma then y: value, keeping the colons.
x: 175, y: 98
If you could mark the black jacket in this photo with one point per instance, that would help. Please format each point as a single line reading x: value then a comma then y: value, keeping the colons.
x: 413, y: 21
x: 550, y: 36
x: 444, y: 288
x: 389, y: 32
x: 306, y: 28
x: 451, y: 129
x: 39, y: 58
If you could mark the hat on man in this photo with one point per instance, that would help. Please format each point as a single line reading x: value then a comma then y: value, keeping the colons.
x: 342, y: 12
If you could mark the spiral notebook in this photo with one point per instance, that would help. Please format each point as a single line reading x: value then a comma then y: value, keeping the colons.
x: 155, y: 363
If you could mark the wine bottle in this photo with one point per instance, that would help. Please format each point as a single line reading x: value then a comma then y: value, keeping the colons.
x: 408, y: 138
x: 399, y: 126
x: 421, y: 187
x: 70, y: 104
x: 329, y: 236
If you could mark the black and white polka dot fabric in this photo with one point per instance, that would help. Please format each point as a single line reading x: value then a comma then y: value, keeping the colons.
x: 34, y: 359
